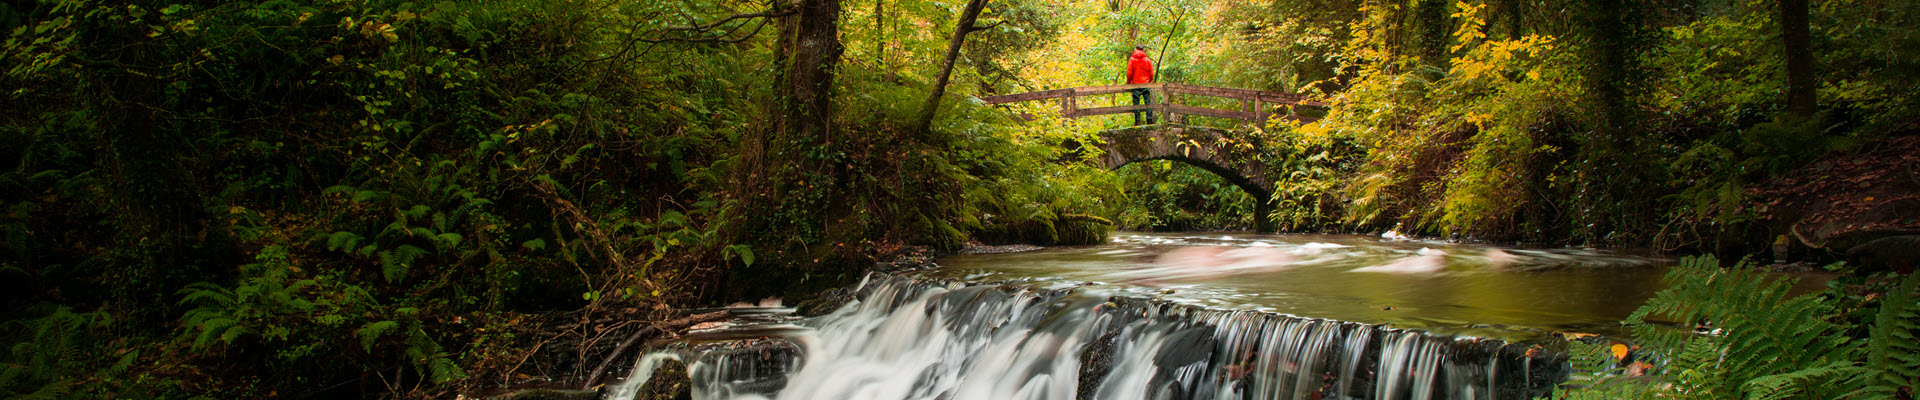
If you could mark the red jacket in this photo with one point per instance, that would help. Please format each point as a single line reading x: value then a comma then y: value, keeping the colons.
x: 1139, y: 69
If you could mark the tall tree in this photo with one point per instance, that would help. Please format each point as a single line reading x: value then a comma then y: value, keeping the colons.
x: 810, y: 49
x: 801, y: 111
x: 1802, y: 89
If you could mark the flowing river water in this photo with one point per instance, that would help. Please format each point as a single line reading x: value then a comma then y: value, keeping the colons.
x: 1183, y: 316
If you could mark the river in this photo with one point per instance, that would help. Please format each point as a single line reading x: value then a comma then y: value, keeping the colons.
x: 1184, y: 316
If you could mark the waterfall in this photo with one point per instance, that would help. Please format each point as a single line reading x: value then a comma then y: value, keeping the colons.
x: 904, y: 337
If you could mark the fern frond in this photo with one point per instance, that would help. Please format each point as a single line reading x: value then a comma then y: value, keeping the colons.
x: 1765, y: 332
x: 212, y: 328
x: 125, y: 362
x: 1696, y: 370
x: 372, y: 332
x: 342, y: 241
x: 417, y: 212
x: 407, y: 253
x: 1892, y: 351
x: 391, y: 267
x: 399, y: 227
x: 51, y: 391
x: 206, y: 294
x: 443, y: 370
x: 1800, y: 384
x: 446, y: 241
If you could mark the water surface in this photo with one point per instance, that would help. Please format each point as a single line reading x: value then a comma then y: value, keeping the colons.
x: 1481, y: 290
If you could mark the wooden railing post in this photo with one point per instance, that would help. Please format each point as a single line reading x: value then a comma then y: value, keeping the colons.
x: 1166, y: 106
x: 1259, y: 113
x: 1066, y: 105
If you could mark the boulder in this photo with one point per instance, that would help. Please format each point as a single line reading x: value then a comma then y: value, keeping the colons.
x: 1892, y: 253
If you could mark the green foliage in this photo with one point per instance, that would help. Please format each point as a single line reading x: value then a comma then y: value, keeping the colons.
x: 1605, y: 122
x: 311, y: 320
x: 43, y: 355
x: 1763, y: 344
x: 282, y: 181
x: 1174, y: 196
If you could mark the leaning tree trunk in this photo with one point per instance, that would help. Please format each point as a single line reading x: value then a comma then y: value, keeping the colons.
x: 924, y: 124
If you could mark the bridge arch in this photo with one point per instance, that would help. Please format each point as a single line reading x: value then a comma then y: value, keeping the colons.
x: 1197, y: 146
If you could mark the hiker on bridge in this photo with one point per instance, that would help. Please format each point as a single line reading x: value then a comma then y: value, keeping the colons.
x: 1140, y: 70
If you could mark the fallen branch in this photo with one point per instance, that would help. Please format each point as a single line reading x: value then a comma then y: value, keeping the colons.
x: 593, y: 379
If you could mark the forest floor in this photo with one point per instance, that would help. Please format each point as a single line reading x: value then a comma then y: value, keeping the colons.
x: 1842, y: 200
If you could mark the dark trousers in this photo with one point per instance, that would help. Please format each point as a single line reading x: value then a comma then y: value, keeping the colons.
x: 1142, y: 96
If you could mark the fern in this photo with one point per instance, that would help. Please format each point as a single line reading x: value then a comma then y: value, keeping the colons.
x: 1768, y: 345
x: 1809, y: 383
x: 372, y: 332
x: 212, y: 326
x: 45, y: 355
x: 1696, y: 370
x: 342, y: 241
x: 206, y: 294
x: 428, y: 356
x: 1766, y: 333
x: 1893, y: 353
x: 391, y: 267
x: 417, y: 212
x: 51, y: 391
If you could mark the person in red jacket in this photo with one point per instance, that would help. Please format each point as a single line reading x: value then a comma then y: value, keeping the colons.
x: 1140, y: 70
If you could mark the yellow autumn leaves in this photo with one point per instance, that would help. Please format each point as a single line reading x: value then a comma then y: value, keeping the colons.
x: 376, y: 29
x: 1490, y: 57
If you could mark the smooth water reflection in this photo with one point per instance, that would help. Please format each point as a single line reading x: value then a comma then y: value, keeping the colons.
x: 1480, y: 290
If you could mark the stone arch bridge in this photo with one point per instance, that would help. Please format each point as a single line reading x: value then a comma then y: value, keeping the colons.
x: 1213, y: 149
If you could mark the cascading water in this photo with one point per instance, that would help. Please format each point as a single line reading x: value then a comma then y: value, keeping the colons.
x: 907, y: 337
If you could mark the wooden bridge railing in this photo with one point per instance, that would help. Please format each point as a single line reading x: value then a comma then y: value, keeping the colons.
x: 1253, y: 103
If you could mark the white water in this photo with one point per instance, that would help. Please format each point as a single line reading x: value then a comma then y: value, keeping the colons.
x: 912, y: 339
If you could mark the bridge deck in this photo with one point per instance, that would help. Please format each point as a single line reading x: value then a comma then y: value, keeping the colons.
x: 1253, y: 103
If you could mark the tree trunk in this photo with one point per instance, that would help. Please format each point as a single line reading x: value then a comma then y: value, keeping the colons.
x: 923, y: 126
x: 880, y: 34
x: 1802, y: 89
x: 1515, y: 13
x: 810, y: 48
x: 801, y: 111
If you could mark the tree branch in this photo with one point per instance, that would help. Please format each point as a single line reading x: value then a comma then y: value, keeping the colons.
x: 718, y: 39
x: 699, y: 29
x: 985, y: 27
x: 714, y: 24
